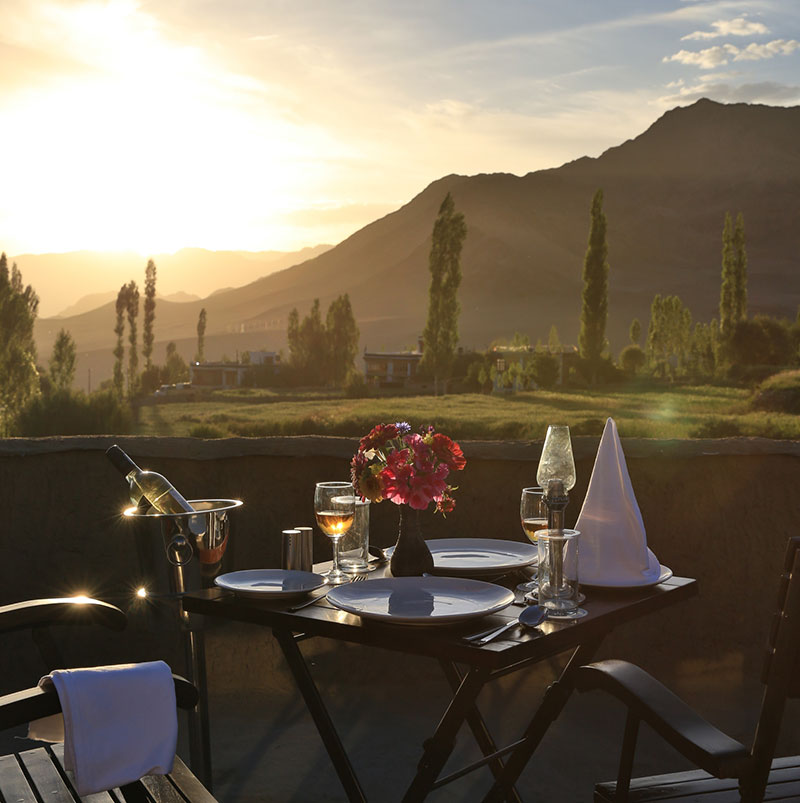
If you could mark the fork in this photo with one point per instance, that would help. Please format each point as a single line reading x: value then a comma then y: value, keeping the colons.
x: 356, y: 579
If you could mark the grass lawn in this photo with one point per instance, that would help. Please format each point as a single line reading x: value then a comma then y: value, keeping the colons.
x: 674, y: 412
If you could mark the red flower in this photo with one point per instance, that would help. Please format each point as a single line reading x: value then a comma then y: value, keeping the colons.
x: 448, y: 451
x: 377, y: 437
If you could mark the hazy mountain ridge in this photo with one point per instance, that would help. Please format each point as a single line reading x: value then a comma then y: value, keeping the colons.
x: 666, y: 193
x: 194, y: 271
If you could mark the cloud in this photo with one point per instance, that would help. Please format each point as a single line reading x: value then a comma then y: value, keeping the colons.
x: 778, y: 47
x: 735, y: 27
x: 719, y: 55
x: 704, y: 59
x: 762, y: 92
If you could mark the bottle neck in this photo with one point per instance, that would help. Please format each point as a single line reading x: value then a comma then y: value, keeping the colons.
x: 121, y: 461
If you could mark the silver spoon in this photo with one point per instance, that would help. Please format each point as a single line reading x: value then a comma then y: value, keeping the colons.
x: 532, y: 616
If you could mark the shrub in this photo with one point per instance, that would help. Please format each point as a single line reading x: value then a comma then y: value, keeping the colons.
x: 207, y: 431
x: 780, y: 393
x: 632, y: 359
x: 589, y: 426
x: 760, y: 341
x: 716, y: 428
x: 544, y: 369
x: 355, y: 387
x: 68, y: 413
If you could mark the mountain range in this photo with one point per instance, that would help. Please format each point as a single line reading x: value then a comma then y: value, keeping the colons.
x: 666, y: 193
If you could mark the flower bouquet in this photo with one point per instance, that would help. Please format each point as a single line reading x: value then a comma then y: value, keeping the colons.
x: 411, y: 470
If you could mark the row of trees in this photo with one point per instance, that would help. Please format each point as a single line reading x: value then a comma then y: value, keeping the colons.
x: 732, y: 345
x: 323, y: 352
x: 35, y: 400
x: 127, y: 379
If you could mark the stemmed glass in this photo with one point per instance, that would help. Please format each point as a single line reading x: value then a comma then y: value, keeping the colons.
x: 335, y: 510
x: 533, y: 516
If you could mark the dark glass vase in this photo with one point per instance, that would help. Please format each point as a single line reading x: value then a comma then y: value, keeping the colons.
x: 411, y: 556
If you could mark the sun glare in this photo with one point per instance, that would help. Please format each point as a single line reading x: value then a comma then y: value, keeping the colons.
x: 151, y: 149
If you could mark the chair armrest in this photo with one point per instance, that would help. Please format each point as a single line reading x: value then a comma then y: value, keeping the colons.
x: 665, y: 712
x: 35, y: 703
x: 65, y: 610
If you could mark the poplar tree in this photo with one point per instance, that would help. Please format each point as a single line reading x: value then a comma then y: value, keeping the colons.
x: 132, y: 309
x: 635, y: 332
x: 728, y: 283
x: 293, y: 337
x: 119, y: 331
x: 594, y: 307
x: 62, y: 361
x: 739, y: 300
x: 342, y: 338
x: 149, y: 313
x: 18, y: 375
x: 440, y: 336
x: 201, y: 336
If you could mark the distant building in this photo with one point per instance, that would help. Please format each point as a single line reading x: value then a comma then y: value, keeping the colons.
x: 230, y: 374
x: 504, y: 355
x: 391, y: 369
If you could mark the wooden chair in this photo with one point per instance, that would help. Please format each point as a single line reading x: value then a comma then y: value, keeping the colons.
x: 719, y: 757
x: 39, y: 774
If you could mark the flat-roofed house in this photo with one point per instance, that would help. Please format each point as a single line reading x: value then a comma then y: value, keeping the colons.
x: 391, y: 369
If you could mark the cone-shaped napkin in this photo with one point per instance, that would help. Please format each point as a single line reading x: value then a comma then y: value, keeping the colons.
x: 613, y: 544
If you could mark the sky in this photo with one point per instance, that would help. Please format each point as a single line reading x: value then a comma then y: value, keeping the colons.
x: 152, y: 125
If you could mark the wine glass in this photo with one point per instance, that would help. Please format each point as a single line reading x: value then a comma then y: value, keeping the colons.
x: 533, y: 516
x: 335, y: 510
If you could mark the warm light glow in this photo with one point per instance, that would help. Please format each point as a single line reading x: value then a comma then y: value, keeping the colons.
x: 83, y: 598
x: 149, y: 148
x: 141, y: 593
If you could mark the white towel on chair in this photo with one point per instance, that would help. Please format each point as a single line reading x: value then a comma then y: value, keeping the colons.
x: 120, y: 723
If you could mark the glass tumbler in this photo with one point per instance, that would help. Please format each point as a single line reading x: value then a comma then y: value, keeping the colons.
x: 558, y: 572
x: 354, y: 546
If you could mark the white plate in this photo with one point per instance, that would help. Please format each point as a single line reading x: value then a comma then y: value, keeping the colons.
x: 421, y: 600
x: 266, y: 583
x: 665, y: 575
x: 467, y: 557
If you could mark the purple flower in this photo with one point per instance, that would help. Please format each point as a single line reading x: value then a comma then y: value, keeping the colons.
x: 403, y: 427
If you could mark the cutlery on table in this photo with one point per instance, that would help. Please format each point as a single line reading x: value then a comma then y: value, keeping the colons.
x: 356, y: 579
x: 532, y: 616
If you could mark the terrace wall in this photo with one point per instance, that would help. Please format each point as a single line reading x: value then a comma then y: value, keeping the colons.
x: 718, y: 510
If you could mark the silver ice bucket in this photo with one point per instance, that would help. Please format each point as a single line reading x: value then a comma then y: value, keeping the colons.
x: 202, y: 535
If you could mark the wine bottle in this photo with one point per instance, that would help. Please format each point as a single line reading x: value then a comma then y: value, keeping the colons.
x: 155, y: 488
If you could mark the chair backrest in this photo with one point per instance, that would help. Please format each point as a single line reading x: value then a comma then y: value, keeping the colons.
x: 780, y: 674
x: 783, y: 647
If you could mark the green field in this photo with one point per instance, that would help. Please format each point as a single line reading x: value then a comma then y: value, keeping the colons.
x: 672, y: 412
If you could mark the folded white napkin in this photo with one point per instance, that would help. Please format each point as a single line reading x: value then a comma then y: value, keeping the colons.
x: 613, y: 544
x: 120, y: 723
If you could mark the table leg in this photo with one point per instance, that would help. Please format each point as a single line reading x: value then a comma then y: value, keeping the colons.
x: 479, y: 730
x: 439, y: 747
x: 555, y: 698
x: 327, y: 731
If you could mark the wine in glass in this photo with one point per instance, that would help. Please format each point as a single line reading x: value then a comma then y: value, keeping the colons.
x: 533, y: 515
x: 335, y: 509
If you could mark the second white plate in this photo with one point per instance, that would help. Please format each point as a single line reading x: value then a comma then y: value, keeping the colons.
x: 421, y: 600
x: 475, y: 557
x: 269, y: 583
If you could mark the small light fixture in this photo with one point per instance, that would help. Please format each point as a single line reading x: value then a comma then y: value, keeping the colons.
x: 141, y: 592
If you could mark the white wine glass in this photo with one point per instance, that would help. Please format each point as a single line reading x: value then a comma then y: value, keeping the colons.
x: 335, y: 510
x: 533, y: 517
